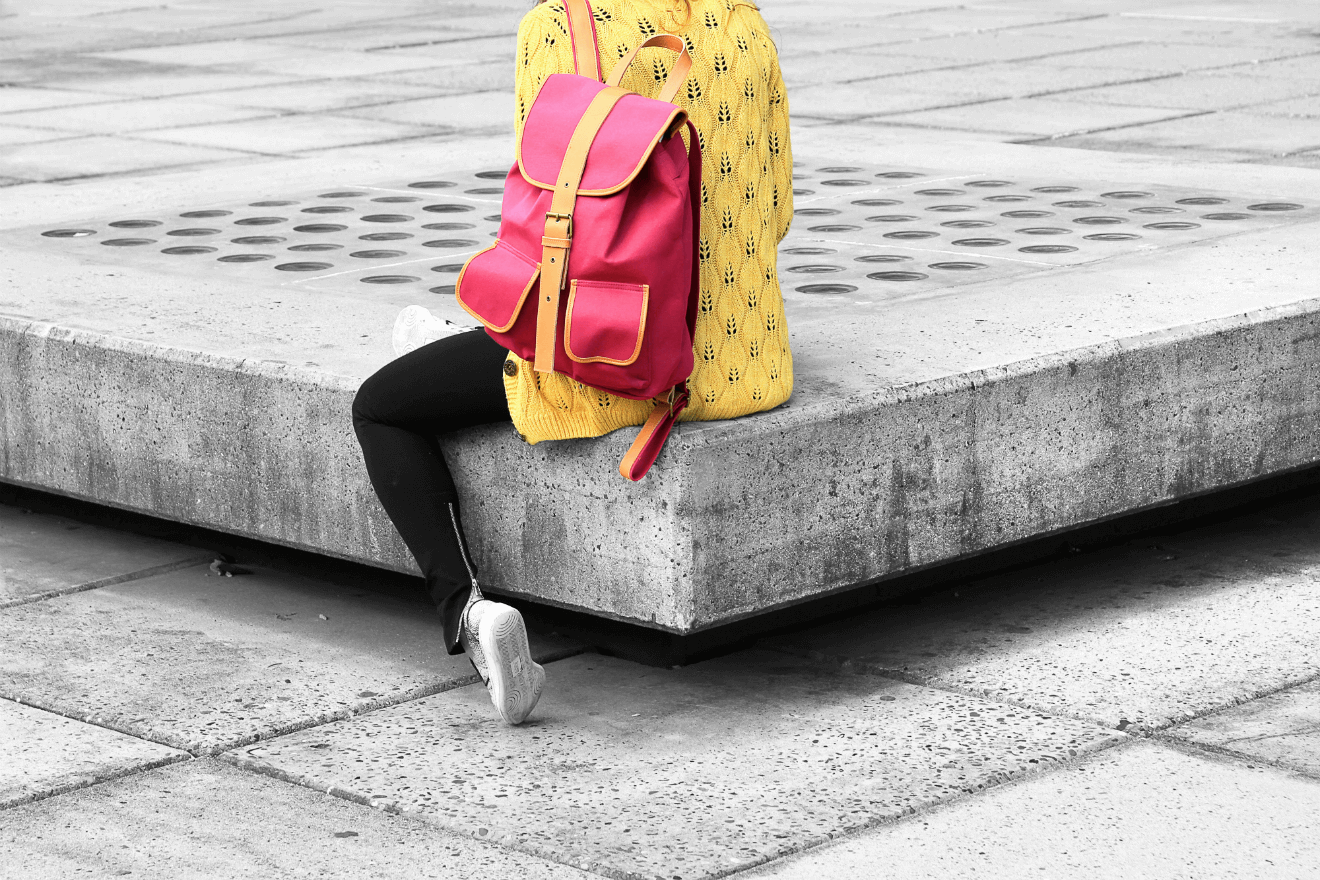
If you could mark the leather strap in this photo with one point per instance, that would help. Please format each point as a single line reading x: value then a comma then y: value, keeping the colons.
x: 582, y: 34
x: 677, y: 73
x: 646, y: 448
x: 558, y: 237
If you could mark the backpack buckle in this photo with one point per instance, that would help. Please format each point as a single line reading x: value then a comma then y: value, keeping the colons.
x: 555, y: 215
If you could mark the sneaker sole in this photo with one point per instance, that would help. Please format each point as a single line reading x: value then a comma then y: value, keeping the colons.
x: 515, y: 680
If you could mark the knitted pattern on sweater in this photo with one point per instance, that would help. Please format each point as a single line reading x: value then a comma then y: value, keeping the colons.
x: 735, y: 97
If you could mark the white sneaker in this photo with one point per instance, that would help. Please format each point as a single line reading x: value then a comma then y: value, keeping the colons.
x: 503, y: 658
x: 416, y: 326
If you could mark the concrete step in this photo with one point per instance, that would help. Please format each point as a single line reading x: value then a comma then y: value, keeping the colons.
x: 934, y: 417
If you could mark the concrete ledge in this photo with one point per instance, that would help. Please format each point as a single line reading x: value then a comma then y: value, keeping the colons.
x: 944, y: 424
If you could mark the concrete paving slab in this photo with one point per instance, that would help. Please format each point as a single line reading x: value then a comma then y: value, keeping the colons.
x: 206, y: 663
x: 43, y: 556
x: 1308, y: 106
x: 67, y: 158
x: 834, y: 68
x: 480, y: 110
x: 1227, y: 130
x: 1039, y: 116
x: 1195, y: 91
x: 290, y: 134
x: 204, y: 819
x: 11, y: 135
x: 1007, y: 79
x: 319, y: 95
x: 155, y: 85
x: 1175, y: 57
x: 856, y: 100
x: 17, y: 98
x: 114, y: 117
x: 635, y: 771
x: 1137, y: 811
x: 46, y: 755
x: 1282, y: 728
x: 1139, y: 636
x: 1304, y: 67
x: 458, y: 78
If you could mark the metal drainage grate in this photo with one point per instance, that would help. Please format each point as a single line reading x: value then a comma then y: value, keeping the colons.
x: 882, y: 230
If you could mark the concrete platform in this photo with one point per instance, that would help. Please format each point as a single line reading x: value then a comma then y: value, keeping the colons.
x: 934, y: 418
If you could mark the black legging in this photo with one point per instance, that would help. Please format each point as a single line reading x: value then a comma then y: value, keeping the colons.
x: 449, y: 384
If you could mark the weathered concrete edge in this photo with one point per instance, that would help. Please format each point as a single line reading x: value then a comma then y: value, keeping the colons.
x: 943, y: 470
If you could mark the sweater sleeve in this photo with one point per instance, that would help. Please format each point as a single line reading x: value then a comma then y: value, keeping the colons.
x: 781, y: 148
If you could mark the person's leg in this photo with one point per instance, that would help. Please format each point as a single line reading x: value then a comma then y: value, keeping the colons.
x: 449, y: 384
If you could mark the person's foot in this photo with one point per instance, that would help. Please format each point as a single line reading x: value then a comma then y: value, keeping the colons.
x: 496, y: 641
x: 416, y: 326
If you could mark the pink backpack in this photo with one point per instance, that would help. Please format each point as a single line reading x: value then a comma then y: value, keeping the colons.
x: 595, y: 273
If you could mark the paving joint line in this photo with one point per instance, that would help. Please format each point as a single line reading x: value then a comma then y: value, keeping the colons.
x: 1195, y: 749
x: 140, y: 574
x: 68, y: 787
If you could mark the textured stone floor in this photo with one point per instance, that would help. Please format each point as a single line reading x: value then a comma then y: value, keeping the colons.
x: 1150, y: 710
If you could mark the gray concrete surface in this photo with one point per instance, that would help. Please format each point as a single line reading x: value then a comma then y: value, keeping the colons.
x: 1138, y: 811
x: 1282, y: 728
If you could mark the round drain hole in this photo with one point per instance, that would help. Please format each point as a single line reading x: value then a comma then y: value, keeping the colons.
x: 432, y: 184
x: 967, y: 224
x: 1045, y: 230
x: 486, y: 191
x: 958, y: 266
x: 272, y: 203
x: 493, y: 218
x: 397, y: 200
x: 385, y: 236
x: 1156, y: 209
x: 376, y: 255
x: 1173, y: 225
x: 1203, y: 200
x: 442, y: 226
x: 303, y: 267
x: 1027, y: 215
x: 987, y: 184
x: 386, y: 218
x: 911, y: 234
x: 449, y: 243
x: 899, y: 175
x: 196, y: 231
x: 1111, y: 236
x: 1079, y: 203
x: 1007, y: 198
x: 341, y: 194
x: 1275, y: 206
x: 257, y: 239
x: 844, y: 181
x: 809, y: 251
x: 205, y: 215
x: 882, y: 258
x: 939, y: 192
x: 390, y: 279
x: 803, y: 192
x: 1226, y: 215
x: 839, y: 169
x: 244, y: 258
x: 68, y: 233
x: 260, y: 221
x: 891, y: 218
x: 951, y: 209
x: 1047, y: 249
x: 448, y: 267
x: 1127, y: 194
x: 447, y: 209
x: 189, y: 249
x: 135, y: 224
x: 1099, y: 221
x: 327, y: 209
x: 877, y: 203
x: 318, y: 246
x: 1055, y: 189
x: 814, y: 270
x: 491, y: 175
x: 833, y: 227
x: 897, y: 276
x: 444, y: 289
x: 827, y: 288
x: 981, y: 242
x: 816, y: 212
x: 320, y: 227
x: 127, y: 242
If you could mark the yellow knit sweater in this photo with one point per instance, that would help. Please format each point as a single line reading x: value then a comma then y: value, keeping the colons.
x: 735, y: 97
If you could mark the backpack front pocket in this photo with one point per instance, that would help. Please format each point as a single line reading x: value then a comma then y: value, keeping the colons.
x: 605, y: 322
x: 494, y: 285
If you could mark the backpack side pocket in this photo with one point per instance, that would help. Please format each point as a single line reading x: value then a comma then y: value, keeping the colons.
x: 605, y: 322
x: 494, y: 285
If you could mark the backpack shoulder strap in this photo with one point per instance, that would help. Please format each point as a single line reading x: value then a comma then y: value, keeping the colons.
x: 582, y: 33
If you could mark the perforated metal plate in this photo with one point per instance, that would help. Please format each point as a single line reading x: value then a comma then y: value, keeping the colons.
x: 865, y: 234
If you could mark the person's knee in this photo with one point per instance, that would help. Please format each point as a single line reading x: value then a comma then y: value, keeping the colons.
x: 363, y: 402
